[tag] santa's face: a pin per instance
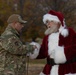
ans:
(52, 27)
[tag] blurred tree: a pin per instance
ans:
(21, 7)
(33, 31)
(67, 7)
(4, 12)
(33, 11)
(1, 25)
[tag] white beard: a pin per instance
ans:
(51, 30)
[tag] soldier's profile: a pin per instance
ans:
(12, 50)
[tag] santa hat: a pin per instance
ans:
(57, 17)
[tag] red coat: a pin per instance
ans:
(69, 52)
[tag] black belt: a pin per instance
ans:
(50, 61)
(70, 61)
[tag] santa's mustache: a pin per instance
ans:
(51, 30)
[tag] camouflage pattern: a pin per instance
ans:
(12, 53)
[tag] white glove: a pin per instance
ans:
(36, 50)
(35, 45)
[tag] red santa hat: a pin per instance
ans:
(54, 16)
(57, 17)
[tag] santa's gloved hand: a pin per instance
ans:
(36, 48)
(35, 45)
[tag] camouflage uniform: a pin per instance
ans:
(12, 53)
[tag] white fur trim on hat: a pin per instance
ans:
(50, 18)
(59, 56)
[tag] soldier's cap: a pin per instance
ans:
(15, 18)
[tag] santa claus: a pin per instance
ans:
(58, 46)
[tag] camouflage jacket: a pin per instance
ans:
(12, 53)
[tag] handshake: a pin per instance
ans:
(31, 47)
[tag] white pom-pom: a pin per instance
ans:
(64, 32)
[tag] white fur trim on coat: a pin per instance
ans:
(36, 50)
(64, 32)
(71, 74)
(52, 43)
(50, 18)
(54, 70)
(59, 56)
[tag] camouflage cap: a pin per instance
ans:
(15, 18)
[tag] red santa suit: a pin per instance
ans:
(59, 49)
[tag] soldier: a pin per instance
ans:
(12, 50)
